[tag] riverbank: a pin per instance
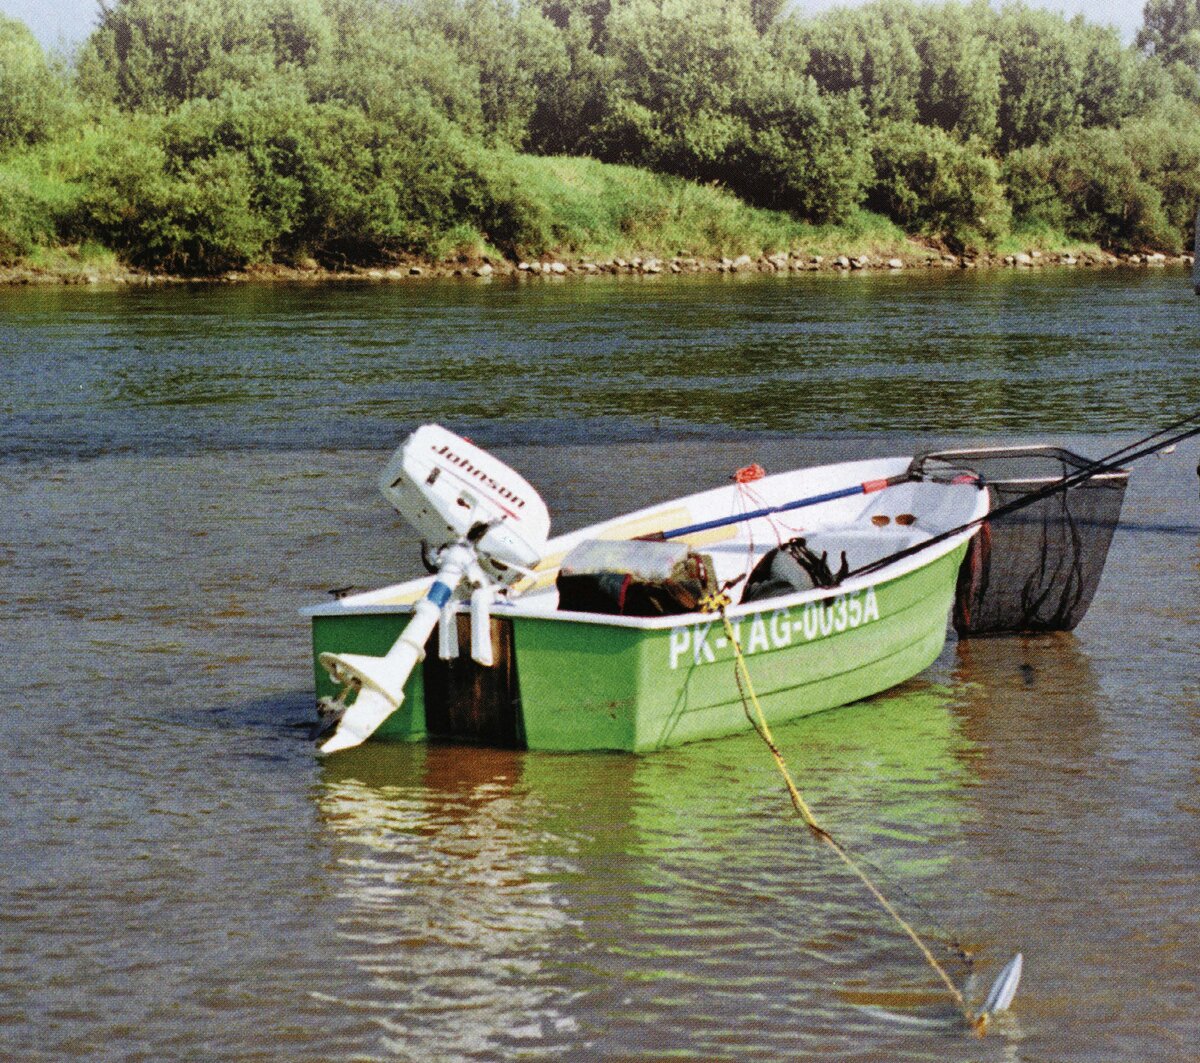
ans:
(65, 270)
(581, 217)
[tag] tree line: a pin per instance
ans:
(201, 135)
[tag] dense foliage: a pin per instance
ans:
(202, 135)
(33, 97)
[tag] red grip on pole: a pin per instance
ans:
(874, 485)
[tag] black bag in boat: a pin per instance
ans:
(634, 577)
(793, 566)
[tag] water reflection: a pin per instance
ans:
(443, 904)
(1059, 762)
(1028, 690)
(513, 904)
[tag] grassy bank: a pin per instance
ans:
(585, 214)
(599, 210)
(209, 138)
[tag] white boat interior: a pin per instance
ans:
(866, 526)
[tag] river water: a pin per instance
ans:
(181, 469)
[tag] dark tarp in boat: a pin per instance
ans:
(634, 578)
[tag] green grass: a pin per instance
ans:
(74, 260)
(36, 191)
(1038, 236)
(462, 242)
(863, 233)
(51, 172)
(589, 208)
(598, 210)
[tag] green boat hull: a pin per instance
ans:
(596, 685)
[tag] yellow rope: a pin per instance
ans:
(717, 603)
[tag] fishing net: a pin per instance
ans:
(1037, 568)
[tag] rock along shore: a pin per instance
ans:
(556, 267)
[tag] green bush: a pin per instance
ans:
(254, 175)
(1166, 148)
(699, 93)
(26, 219)
(572, 95)
(193, 219)
(960, 70)
(380, 53)
(1171, 31)
(1041, 71)
(1113, 84)
(801, 151)
(155, 54)
(1131, 188)
(868, 51)
(936, 64)
(682, 69)
(217, 133)
(513, 50)
(928, 182)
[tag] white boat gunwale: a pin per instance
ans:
(535, 606)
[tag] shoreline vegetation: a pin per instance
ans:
(221, 140)
(66, 270)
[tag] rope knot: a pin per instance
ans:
(716, 602)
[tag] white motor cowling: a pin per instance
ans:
(447, 488)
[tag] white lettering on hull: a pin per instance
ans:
(776, 629)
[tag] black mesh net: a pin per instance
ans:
(1037, 568)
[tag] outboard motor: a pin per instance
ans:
(492, 527)
(445, 486)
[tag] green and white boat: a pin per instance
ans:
(515, 660)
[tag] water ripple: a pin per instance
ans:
(183, 880)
